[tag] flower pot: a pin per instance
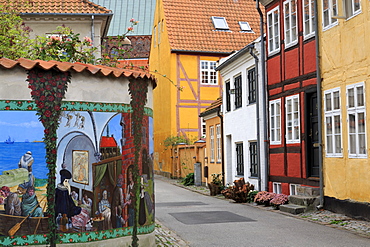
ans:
(213, 189)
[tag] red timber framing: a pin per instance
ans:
(291, 78)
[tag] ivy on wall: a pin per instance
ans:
(48, 88)
(138, 90)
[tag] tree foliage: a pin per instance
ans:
(14, 34)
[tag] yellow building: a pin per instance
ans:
(188, 38)
(344, 27)
(213, 162)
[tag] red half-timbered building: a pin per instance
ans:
(291, 83)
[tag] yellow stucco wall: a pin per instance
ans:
(168, 119)
(345, 60)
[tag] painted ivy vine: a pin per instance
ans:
(48, 88)
(138, 90)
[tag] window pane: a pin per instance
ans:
(352, 144)
(329, 145)
(329, 126)
(328, 101)
(351, 97)
(336, 100)
(338, 144)
(360, 96)
(352, 123)
(337, 124)
(361, 123)
(362, 143)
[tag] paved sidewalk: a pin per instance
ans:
(166, 237)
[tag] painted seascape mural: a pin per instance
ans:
(94, 189)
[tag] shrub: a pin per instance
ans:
(264, 197)
(188, 180)
(279, 199)
(251, 195)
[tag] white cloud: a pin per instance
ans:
(31, 124)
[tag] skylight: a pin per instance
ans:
(244, 26)
(220, 23)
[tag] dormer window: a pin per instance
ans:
(244, 27)
(220, 23)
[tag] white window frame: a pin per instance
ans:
(331, 10)
(356, 110)
(275, 122)
(296, 122)
(293, 189)
(203, 128)
(332, 112)
(218, 143)
(273, 31)
(245, 27)
(309, 17)
(208, 73)
(276, 187)
(159, 33)
(220, 23)
(349, 6)
(212, 143)
(290, 18)
(155, 36)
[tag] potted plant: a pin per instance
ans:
(215, 186)
(264, 197)
(278, 200)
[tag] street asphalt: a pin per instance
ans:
(186, 218)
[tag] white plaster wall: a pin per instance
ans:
(13, 84)
(240, 125)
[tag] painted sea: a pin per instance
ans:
(10, 155)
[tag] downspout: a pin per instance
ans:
(319, 106)
(92, 29)
(222, 145)
(257, 115)
(264, 91)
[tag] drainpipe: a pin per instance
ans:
(92, 29)
(257, 115)
(319, 106)
(222, 145)
(264, 91)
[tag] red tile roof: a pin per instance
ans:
(56, 6)
(108, 142)
(214, 107)
(190, 26)
(77, 67)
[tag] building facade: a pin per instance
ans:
(292, 96)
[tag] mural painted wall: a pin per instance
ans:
(94, 167)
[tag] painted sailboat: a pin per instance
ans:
(9, 140)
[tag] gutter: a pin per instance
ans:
(264, 90)
(257, 116)
(319, 106)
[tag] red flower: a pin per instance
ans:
(41, 105)
(48, 87)
(59, 95)
(42, 80)
(57, 107)
(70, 240)
(54, 151)
(60, 86)
(7, 108)
(51, 98)
(47, 113)
(46, 131)
(35, 93)
(40, 74)
(30, 81)
(42, 98)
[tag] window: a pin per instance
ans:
(290, 22)
(292, 119)
(203, 127)
(333, 120)
(208, 72)
(155, 36)
(293, 189)
(275, 121)
(356, 120)
(329, 8)
(228, 99)
(220, 23)
(273, 30)
(218, 143)
(252, 92)
(352, 7)
(308, 18)
(245, 27)
(212, 142)
(238, 91)
(239, 159)
(253, 159)
(276, 188)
